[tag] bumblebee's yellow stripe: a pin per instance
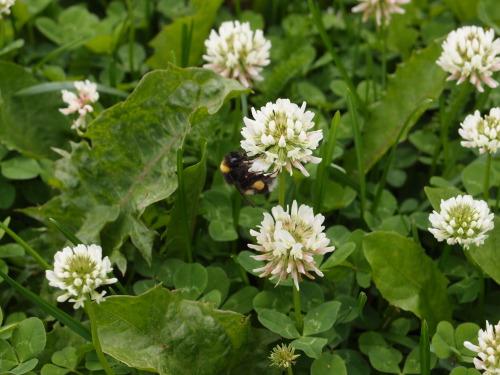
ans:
(224, 168)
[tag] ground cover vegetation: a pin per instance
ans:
(133, 132)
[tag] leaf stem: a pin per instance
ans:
(425, 350)
(95, 337)
(296, 306)
(281, 188)
(182, 203)
(486, 193)
(289, 370)
(26, 247)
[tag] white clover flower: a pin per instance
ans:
(283, 356)
(379, 8)
(79, 271)
(471, 52)
(288, 242)
(462, 220)
(483, 133)
(279, 136)
(87, 94)
(237, 52)
(5, 6)
(488, 350)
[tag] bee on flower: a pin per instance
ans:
(81, 103)
(288, 240)
(482, 132)
(79, 271)
(279, 136)
(381, 8)
(470, 52)
(237, 52)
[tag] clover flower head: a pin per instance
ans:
(5, 6)
(79, 271)
(288, 240)
(81, 103)
(470, 52)
(237, 52)
(283, 356)
(379, 8)
(279, 136)
(480, 132)
(462, 220)
(488, 350)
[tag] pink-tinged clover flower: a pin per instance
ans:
(381, 8)
(288, 240)
(482, 132)
(488, 350)
(81, 103)
(462, 220)
(471, 52)
(237, 52)
(279, 136)
(79, 271)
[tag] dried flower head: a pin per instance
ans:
(283, 356)
(462, 220)
(488, 350)
(470, 52)
(480, 132)
(5, 6)
(79, 271)
(381, 8)
(279, 136)
(87, 94)
(237, 52)
(288, 241)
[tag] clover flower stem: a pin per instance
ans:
(486, 193)
(480, 276)
(296, 306)
(26, 247)
(289, 370)
(182, 203)
(281, 188)
(95, 337)
(425, 349)
(444, 256)
(383, 37)
(237, 8)
(244, 105)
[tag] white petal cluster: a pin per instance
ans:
(79, 271)
(462, 220)
(288, 240)
(81, 103)
(279, 136)
(381, 8)
(488, 350)
(5, 6)
(470, 52)
(483, 133)
(237, 52)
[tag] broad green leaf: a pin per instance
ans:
(23, 120)
(28, 339)
(385, 360)
(466, 332)
(194, 180)
(169, 40)
(132, 161)
(338, 256)
(213, 296)
(435, 195)
(8, 358)
(222, 230)
(411, 280)
(277, 299)
(488, 254)
(312, 346)
(24, 367)
(242, 300)
(278, 323)
(406, 88)
(191, 280)
(412, 362)
(321, 318)
(443, 340)
(328, 364)
(473, 177)
(178, 336)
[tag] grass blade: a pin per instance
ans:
(425, 349)
(66, 233)
(57, 313)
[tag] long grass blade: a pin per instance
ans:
(425, 349)
(66, 85)
(57, 313)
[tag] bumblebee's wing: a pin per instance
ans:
(242, 193)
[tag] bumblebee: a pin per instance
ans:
(235, 170)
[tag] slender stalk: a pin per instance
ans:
(26, 247)
(95, 337)
(383, 38)
(281, 188)
(296, 306)
(289, 370)
(486, 193)
(182, 203)
(237, 8)
(480, 275)
(444, 257)
(131, 36)
(425, 350)
(244, 105)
